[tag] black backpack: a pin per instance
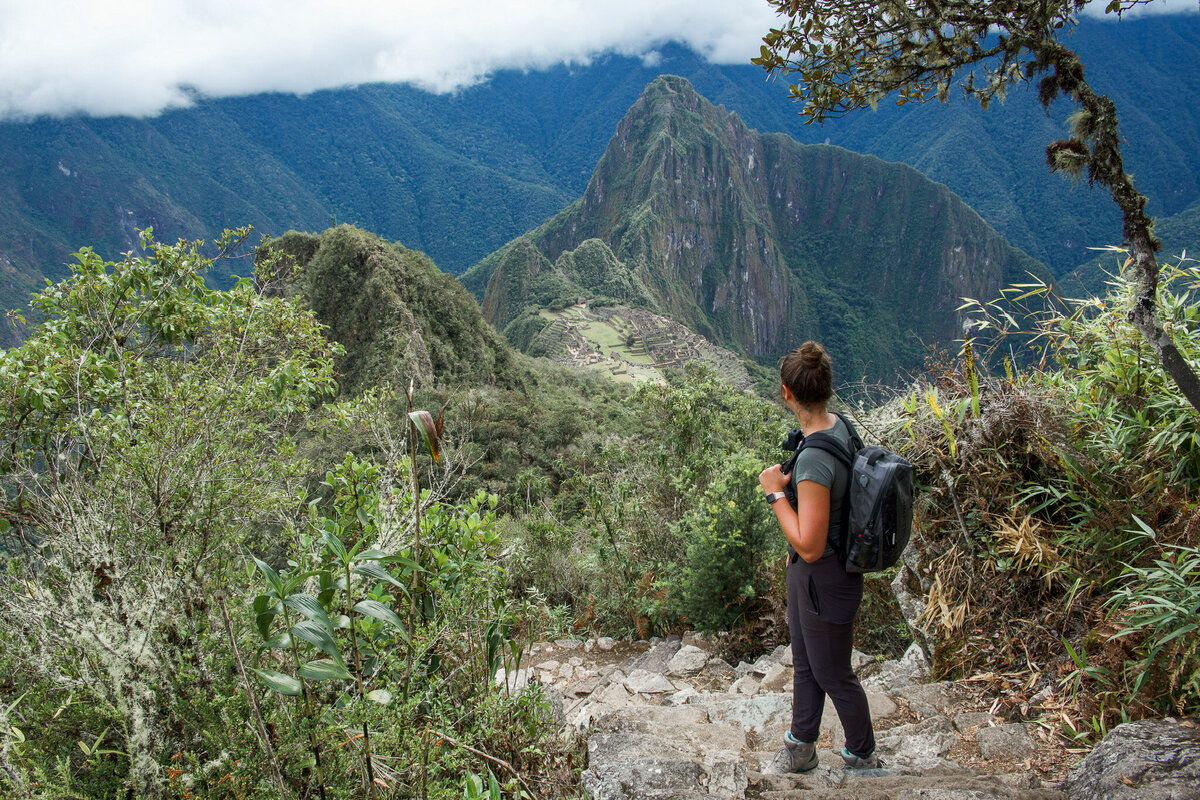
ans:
(877, 511)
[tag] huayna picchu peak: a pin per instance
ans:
(755, 241)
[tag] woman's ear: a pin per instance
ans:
(785, 393)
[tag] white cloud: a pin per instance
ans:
(1097, 8)
(139, 57)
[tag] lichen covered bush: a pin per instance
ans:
(150, 431)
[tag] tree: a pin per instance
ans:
(850, 54)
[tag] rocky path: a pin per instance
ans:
(669, 720)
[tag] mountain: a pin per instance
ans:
(459, 175)
(396, 314)
(755, 241)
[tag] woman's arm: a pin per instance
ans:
(806, 527)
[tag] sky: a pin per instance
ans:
(140, 57)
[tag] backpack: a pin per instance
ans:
(878, 509)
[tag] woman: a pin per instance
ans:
(822, 597)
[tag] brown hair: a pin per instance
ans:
(808, 372)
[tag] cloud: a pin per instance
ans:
(139, 57)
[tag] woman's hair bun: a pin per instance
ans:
(808, 372)
(812, 354)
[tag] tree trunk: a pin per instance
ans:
(1106, 167)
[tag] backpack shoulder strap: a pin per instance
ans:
(823, 441)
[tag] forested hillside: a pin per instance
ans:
(457, 176)
(756, 242)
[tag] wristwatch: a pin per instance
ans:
(773, 496)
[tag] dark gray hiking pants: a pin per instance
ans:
(822, 601)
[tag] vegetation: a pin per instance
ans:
(1066, 495)
(849, 56)
(192, 612)
(225, 573)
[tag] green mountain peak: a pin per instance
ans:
(756, 242)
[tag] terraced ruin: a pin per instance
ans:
(631, 344)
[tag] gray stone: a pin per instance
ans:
(920, 747)
(642, 681)
(785, 658)
(1010, 742)
(859, 659)
(932, 699)
(513, 680)
(717, 666)
(1146, 760)
(777, 679)
(747, 684)
(606, 643)
(763, 713)
(690, 659)
(971, 720)
(644, 779)
(655, 719)
(587, 685)
(568, 644)
(912, 668)
(655, 659)
(682, 696)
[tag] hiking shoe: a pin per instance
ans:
(796, 756)
(858, 762)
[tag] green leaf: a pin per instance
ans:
(372, 570)
(324, 669)
(265, 608)
(281, 642)
(310, 607)
(319, 637)
(271, 575)
(371, 554)
(373, 608)
(278, 682)
(335, 545)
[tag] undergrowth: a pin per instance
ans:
(1057, 523)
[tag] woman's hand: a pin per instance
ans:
(773, 479)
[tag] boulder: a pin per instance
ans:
(1146, 760)
(641, 681)
(690, 659)
(655, 659)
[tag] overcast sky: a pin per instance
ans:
(106, 57)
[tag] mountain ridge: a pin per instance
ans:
(755, 241)
(459, 175)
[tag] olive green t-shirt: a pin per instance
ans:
(824, 468)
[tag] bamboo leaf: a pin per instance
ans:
(317, 636)
(377, 610)
(371, 569)
(271, 575)
(310, 607)
(278, 682)
(324, 669)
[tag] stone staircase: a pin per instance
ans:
(670, 721)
